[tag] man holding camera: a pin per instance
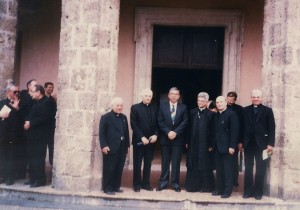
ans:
(144, 126)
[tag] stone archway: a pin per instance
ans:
(146, 18)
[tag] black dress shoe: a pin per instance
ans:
(225, 195)
(110, 192)
(147, 187)
(9, 182)
(177, 189)
(247, 195)
(160, 188)
(2, 180)
(258, 197)
(37, 184)
(215, 193)
(136, 189)
(119, 191)
(29, 182)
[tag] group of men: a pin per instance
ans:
(27, 126)
(211, 138)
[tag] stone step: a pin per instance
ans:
(166, 199)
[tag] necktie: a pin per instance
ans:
(173, 113)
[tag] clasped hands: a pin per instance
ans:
(172, 135)
(152, 139)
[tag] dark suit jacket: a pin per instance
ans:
(226, 131)
(165, 123)
(40, 119)
(11, 127)
(239, 110)
(143, 124)
(264, 132)
(110, 132)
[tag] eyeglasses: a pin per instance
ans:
(16, 92)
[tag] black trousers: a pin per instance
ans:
(10, 160)
(37, 149)
(140, 153)
(50, 145)
(236, 167)
(224, 173)
(168, 154)
(21, 159)
(113, 165)
(2, 160)
(253, 152)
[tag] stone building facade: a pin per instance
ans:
(88, 76)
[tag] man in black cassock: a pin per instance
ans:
(144, 126)
(114, 142)
(199, 177)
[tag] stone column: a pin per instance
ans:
(8, 22)
(281, 85)
(86, 84)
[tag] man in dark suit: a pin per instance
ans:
(144, 125)
(26, 103)
(49, 86)
(226, 131)
(259, 134)
(172, 121)
(114, 143)
(37, 125)
(10, 134)
(239, 110)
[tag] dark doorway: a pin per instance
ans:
(190, 58)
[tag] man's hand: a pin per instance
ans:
(145, 140)
(231, 151)
(15, 103)
(270, 149)
(27, 125)
(105, 150)
(172, 135)
(4, 115)
(153, 139)
(210, 149)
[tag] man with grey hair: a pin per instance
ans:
(114, 143)
(172, 121)
(10, 133)
(199, 176)
(226, 131)
(144, 126)
(259, 135)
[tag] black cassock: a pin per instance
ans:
(199, 177)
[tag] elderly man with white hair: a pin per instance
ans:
(144, 126)
(226, 132)
(199, 176)
(259, 135)
(114, 142)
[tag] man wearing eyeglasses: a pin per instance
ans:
(10, 134)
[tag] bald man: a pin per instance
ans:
(225, 137)
(144, 126)
(259, 134)
(114, 143)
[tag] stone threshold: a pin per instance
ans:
(166, 199)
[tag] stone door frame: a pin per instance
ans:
(147, 17)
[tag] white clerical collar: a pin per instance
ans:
(222, 110)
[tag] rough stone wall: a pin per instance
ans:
(86, 84)
(281, 76)
(8, 22)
